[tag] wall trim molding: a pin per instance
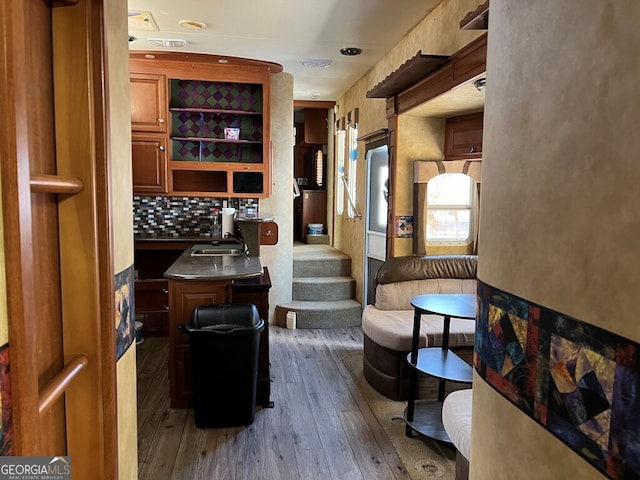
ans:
(576, 380)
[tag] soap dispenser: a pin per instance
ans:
(216, 227)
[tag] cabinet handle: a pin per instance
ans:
(472, 149)
(165, 290)
(166, 307)
(268, 233)
(180, 365)
(161, 147)
(161, 120)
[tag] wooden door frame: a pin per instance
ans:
(85, 231)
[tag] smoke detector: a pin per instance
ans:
(167, 42)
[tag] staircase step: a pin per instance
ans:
(324, 288)
(332, 314)
(320, 261)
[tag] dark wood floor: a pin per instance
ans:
(320, 428)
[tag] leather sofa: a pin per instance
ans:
(388, 323)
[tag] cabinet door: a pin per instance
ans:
(148, 103)
(184, 297)
(152, 307)
(463, 137)
(316, 130)
(149, 163)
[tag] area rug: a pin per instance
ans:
(423, 459)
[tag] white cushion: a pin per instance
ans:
(393, 329)
(398, 295)
(456, 419)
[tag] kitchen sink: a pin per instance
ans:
(219, 247)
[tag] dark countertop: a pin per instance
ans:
(263, 218)
(214, 268)
(172, 238)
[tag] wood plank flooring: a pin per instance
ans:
(321, 426)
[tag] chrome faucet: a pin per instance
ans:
(229, 235)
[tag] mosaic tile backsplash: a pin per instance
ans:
(179, 216)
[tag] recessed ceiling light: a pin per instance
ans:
(350, 51)
(167, 42)
(316, 63)
(314, 95)
(192, 24)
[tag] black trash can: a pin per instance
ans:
(224, 342)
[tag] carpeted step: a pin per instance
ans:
(323, 288)
(320, 261)
(333, 314)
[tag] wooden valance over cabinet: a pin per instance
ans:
(465, 64)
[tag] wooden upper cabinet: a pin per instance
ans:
(148, 103)
(463, 137)
(215, 121)
(315, 126)
(149, 163)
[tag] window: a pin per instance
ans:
(340, 148)
(449, 209)
(353, 161)
(319, 169)
(378, 165)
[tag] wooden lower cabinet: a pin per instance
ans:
(256, 291)
(152, 307)
(310, 207)
(184, 296)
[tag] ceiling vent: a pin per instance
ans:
(139, 20)
(167, 42)
(316, 63)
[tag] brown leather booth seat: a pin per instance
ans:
(388, 323)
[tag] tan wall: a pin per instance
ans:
(122, 220)
(120, 134)
(418, 139)
(438, 34)
(559, 215)
(279, 258)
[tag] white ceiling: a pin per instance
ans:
(288, 31)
